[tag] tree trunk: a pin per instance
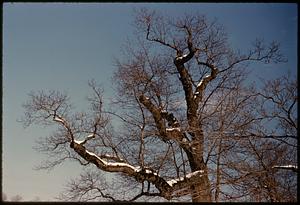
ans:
(200, 191)
(218, 173)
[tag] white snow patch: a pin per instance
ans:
(138, 169)
(115, 164)
(286, 166)
(107, 156)
(164, 112)
(148, 171)
(172, 182)
(58, 120)
(196, 94)
(194, 173)
(181, 57)
(78, 141)
(121, 164)
(90, 136)
(93, 154)
(201, 81)
(173, 129)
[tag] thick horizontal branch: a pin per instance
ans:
(100, 162)
(122, 167)
(166, 188)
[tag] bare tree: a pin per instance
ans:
(254, 168)
(189, 125)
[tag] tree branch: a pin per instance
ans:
(174, 133)
(64, 123)
(156, 113)
(287, 167)
(144, 194)
(203, 83)
(159, 40)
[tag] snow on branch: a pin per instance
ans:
(204, 81)
(188, 177)
(79, 141)
(58, 119)
(177, 129)
(125, 168)
(172, 121)
(181, 57)
(111, 157)
(61, 120)
(102, 163)
(121, 164)
(166, 188)
(176, 134)
(82, 142)
(146, 170)
(293, 168)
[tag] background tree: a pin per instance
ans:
(189, 125)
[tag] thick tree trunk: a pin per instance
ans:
(200, 191)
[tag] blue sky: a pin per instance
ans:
(62, 46)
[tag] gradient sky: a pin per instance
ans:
(62, 46)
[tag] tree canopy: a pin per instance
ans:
(190, 127)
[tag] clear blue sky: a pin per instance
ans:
(62, 46)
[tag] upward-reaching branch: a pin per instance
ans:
(166, 133)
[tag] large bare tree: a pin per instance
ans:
(189, 125)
